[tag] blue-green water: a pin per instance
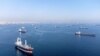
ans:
(51, 40)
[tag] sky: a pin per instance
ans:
(50, 11)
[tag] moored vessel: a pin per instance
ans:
(22, 30)
(84, 34)
(23, 47)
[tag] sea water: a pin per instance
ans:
(51, 40)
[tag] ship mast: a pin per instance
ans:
(20, 34)
(25, 43)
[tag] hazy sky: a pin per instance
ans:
(58, 11)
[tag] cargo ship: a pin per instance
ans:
(23, 47)
(84, 34)
(83, 27)
(22, 30)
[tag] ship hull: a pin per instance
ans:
(83, 34)
(23, 49)
(22, 31)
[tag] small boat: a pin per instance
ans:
(84, 34)
(23, 47)
(22, 30)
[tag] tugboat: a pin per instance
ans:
(22, 30)
(23, 47)
(84, 34)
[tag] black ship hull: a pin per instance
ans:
(85, 34)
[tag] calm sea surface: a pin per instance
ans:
(51, 40)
